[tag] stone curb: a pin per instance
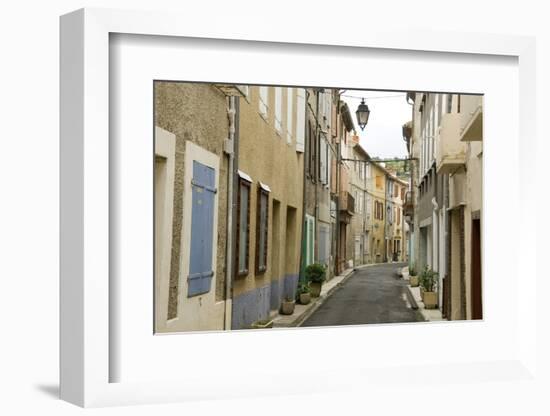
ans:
(411, 298)
(300, 319)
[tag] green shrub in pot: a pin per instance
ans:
(315, 275)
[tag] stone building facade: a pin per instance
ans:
(270, 201)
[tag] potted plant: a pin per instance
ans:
(304, 293)
(287, 307)
(413, 277)
(315, 275)
(428, 283)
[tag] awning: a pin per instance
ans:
(244, 176)
(265, 187)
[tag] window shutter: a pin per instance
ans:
(329, 166)
(328, 105)
(289, 115)
(278, 109)
(263, 105)
(323, 167)
(202, 231)
(321, 98)
(300, 119)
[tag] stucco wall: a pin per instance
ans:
(378, 226)
(197, 113)
(266, 156)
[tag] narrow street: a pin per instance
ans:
(372, 295)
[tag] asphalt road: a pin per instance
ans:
(373, 295)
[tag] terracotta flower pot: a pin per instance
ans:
(287, 307)
(430, 300)
(315, 289)
(305, 298)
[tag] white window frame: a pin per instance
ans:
(278, 119)
(300, 119)
(263, 101)
(289, 114)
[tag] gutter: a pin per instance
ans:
(231, 147)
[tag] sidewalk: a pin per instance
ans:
(302, 312)
(416, 301)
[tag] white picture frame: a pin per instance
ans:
(86, 224)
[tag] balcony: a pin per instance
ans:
(408, 205)
(347, 203)
(450, 154)
(471, 123)
(232, 90)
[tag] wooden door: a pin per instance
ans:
(477, 310)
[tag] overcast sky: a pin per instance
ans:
(383, 136)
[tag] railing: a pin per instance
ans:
(347, 202)
(408, 206)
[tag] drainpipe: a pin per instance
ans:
(301, 275)
(435, 235)
(338, 166)
(231, 146)
(317, 172)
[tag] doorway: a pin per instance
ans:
(275, 256)
(477, 309)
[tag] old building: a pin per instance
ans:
(361, 221)
(459, 157)
(444, 205)
(344, 203)
(319, 154)
(378, 201)
(191, 205)
(271, 138)
(394, 226)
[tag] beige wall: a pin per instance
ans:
(266, 156)
(465, 188)
(378, 226)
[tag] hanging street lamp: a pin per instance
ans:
(362, 114)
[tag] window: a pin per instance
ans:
(324, 244)
(243, 226)
(300, 119)
(329, 165)
(323, 162)
(264, 100)
(378, 210)
(449, 103)
(289, 114)
(278, 109)
(245, 89)
(311, 147)
(262, 228)
(458, 104)
(379, 182)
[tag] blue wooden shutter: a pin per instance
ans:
(202, 223)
